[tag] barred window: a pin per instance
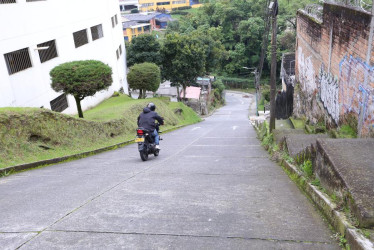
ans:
(112, 18)
(47, 53)
(80, 38)
(97, 32)
(147, 4)
(7, 1)
(179, 2)
(60, 103)
(18, 60)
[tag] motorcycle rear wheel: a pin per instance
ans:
(156, 152)
(143, 155)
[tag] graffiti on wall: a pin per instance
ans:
(329, 93)
(357, 94)
(306, 72)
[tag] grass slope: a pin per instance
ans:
(33, 134)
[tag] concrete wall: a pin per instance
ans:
(334, 68)
(26, 24)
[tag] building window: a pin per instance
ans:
(147, 4)
(7, 1)
(114, 21)
(139, 29)
(47, 51)
(179, 2)
(117, 53)
(163, 3)
(60, 103)
(34, 0)
(80, 38)
(18, 60)
(120, 49)
(126, 38)
(97, 32)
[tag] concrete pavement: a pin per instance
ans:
(212, 187)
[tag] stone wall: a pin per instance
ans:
(334, 77)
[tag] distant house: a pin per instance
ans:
(155, 19)
(132, 29)
(162, 20)
(205, 83)
(144, 18)
(167, 90)
(128, 5)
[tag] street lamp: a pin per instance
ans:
(255, 72)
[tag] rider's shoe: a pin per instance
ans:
(158, 147)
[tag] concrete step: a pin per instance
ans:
(345, 168)
(300, 146)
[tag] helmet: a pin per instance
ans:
(152, 106)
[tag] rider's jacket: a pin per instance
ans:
(147, 119)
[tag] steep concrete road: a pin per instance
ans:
(212, 187)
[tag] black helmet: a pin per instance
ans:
(152, 106)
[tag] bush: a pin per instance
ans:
(266, 94)
(218, 84)
(115, 94)
(178, 12)
(182, 8)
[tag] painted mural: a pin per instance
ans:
(356, 80)
(329, 93)
(306, 72)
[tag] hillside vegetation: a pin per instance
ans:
(33, 134)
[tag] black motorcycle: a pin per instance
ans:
(146, 143)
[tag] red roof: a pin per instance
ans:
(192, 93)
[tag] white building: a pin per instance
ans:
(37, 35)
(127, 5)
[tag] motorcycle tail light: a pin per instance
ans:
(140, 132)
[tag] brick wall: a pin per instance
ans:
(333, 78)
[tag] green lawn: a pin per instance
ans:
(34, 134)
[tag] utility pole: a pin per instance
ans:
(273, 7)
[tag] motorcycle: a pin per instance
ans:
(146, 143)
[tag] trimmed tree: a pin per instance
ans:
(81, 79)
(145, 77)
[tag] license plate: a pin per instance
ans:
(139, 139)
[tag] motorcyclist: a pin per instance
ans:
(147, 120)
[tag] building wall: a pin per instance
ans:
(26, 24)
(172, 4)
(335, 78)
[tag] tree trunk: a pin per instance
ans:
(144, 94)
(178, 94)
(140, 94)
(184, 92)
(78, 101)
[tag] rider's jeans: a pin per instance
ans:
(157, 137)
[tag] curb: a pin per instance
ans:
(10, 170)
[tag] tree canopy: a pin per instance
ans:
(81, 79)
(143, 48)
(145, 77)
(183, 59)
